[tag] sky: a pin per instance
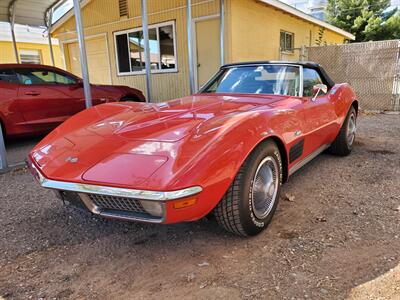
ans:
(60, 11)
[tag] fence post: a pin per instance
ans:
(396, 82)
(302, 53)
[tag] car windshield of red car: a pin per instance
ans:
(264, 79)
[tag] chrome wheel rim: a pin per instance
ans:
(265, 187)
(351, 129)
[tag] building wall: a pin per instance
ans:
(8, 56)
(102, 17)
(256, 32)
(252, 32)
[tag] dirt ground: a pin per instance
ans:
(338, 239)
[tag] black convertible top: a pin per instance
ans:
(308, 64)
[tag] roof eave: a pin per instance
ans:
(294, 11)
(67, 16)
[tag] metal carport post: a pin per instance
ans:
(222, 30)
(145, 26)
(49, 20)
(11, 17)
(82, 53)
(190, 44)
(3, 154)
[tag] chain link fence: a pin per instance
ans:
(371, 68)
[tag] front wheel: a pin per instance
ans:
(250, 202)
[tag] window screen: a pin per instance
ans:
(130, 49)
(121, 41)
(30, 56)
(287, 41)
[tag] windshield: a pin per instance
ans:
(263, 79)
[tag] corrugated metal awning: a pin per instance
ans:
(27, 12)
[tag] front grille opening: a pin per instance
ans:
(117, 203)
(109, 206)
(73, 199)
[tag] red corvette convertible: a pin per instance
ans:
(225, 150)
(36, 98)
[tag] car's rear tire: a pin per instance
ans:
(343, 144)
(3, 129)
(250, 202)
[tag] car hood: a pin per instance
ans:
(124, 144)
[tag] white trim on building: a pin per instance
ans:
(293, 11)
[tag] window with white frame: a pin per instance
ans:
(30, 56)
(129, 46)
(287, 41)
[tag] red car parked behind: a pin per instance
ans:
(37, 98)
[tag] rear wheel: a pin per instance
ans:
(343, 144)
(250, 202)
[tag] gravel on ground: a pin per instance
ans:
(336, 235)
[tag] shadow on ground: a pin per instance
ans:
(18, 148)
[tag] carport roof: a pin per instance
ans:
(27, 12)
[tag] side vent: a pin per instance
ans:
(123, 8)
(296, 151)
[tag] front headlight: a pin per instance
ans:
(153, 208)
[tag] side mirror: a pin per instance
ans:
(317, 89)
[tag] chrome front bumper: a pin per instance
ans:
(127, 209)
(117, 203)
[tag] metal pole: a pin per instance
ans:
(145, 26)
(49, 20)
(82, 53)
(3, 153)
(190, 44)
(11, 16)
(222, 30)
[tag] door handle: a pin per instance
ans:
(33, 93)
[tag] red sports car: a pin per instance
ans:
(225, 150)
(36, 98)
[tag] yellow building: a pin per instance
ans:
(32, 45)
(253, 30)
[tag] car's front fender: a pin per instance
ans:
(217, 162)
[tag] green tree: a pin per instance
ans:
(367, 20)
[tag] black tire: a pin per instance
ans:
(343, 145)
(3, 129)
(236, 211)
